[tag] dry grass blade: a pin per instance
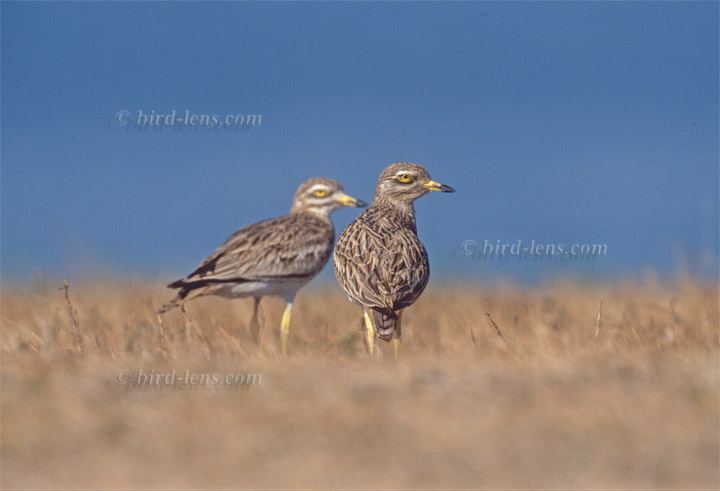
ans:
(497, 329)
(597, 323)
(198, 332)
(163, 346)
(73, 316)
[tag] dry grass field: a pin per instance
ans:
(555, 403)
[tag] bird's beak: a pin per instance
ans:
(436, 186)
(347, 200)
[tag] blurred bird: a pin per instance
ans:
(274, 257)
(379, 260)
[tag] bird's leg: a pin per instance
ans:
(254, 324)
(285, 327)
(397, 337)
(369, 334)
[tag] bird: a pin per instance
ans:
(274, 257)
(379, 260)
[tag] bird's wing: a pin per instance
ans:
(291, 246)
(382, 267)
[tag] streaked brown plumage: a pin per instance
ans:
(273, 257)
(379, 259)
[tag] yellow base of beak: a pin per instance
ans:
(436, 186)
(348, 200)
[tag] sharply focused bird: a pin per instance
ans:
(379, 260)
(275, 257)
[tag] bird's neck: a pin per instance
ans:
(321, 213)
(404, 211)
(402, 206)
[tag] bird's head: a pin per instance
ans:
(322, 196)
(404, 182)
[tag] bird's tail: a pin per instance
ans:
(170, 304)
(179, 298)
(190, 289)
(385, 324)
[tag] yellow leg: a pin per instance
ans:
(369, 333)
(398, 336)
(285, 328)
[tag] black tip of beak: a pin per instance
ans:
(360, 203)
(446, 189)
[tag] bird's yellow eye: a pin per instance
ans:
(320, 193)
(405, 178)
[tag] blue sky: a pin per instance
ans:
(559, 122)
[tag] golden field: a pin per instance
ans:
(559, 401)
